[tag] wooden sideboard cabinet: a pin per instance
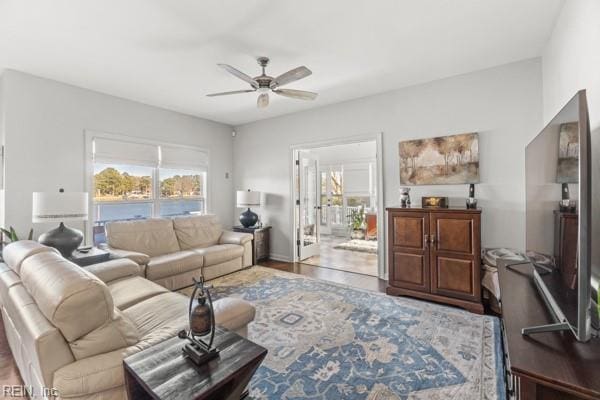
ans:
(435, 254)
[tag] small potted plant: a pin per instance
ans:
(356, 221)
(9, 236)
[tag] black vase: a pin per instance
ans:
(64, 239)
(248, 218)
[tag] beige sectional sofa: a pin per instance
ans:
(69, 327)
(172, 251)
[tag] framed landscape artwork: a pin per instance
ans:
(568, 153)
(444, 160)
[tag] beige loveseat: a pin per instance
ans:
(69, 328)
(172, 251)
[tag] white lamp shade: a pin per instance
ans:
(56, 206)
(246, 198)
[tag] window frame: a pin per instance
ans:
(90, 135)
(158, 200)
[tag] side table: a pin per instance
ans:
(93, 256)
(261, 244)
(223, 378)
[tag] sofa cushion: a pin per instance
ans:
(138, 258)
(8, 279)
(197, 231)
(210, 272)
(173, 264)
(15, 253)
(72, 299)
(229, 237)
(153, 236)
(93, 377)
(119, 333)
(156, 319)
(129, 291)
(158, 315)
(114, 269)
(220, 253)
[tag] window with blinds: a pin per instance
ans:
(141, 180)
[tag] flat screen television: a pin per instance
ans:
(560, 158)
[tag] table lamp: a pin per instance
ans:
(59, 207)
(248, 199)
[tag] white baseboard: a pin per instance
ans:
(279, 257)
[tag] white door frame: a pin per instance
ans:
(313, 249)
(381, 231)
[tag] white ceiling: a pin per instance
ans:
(164, 52)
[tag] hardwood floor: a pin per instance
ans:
(360, 281)
(345, 260)
(9, 374)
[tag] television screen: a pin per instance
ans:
(559, 214)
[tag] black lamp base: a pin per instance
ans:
(64, 239)
(248, 218)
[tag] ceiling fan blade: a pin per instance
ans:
(228, 93)
(296, 94)
(239, 74)
(291, 76)
(263, 100)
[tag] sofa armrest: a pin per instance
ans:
(91, 376)
(140, 258)
(114, 269)
(229, 237)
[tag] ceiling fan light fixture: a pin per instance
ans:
(263, 100)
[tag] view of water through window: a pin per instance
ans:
(127, 192)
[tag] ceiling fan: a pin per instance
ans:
(264, 84)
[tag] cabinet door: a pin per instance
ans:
(262, 244)
(455, 255)
(409, 250)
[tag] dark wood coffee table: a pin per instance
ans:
(163, 372)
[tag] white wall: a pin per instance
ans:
(503, 104)
(571, 59)
(44, 127)
(346, 153)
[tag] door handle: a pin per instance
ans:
(433, 239)
(426, 240)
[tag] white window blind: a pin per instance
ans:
(356, 180)
(183, 157)
(111, 151)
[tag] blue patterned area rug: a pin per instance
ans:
(330, 341)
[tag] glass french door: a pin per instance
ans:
(309, 205)
(332, 199)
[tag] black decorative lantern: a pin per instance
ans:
(202, 325)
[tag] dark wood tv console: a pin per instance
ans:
(546, 366)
